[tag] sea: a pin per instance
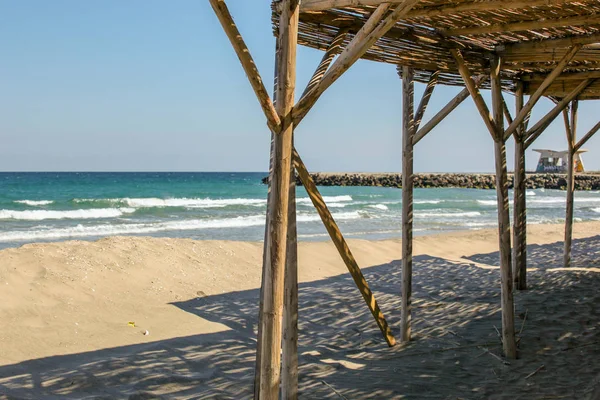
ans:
(49, 206)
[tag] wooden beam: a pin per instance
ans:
(278, 207)
(506, 111)
(408, 132)
(589, 19)
(534, 132)
(444, 112)
(247, 62)
(433, 79)
(432, 11)
(474, 91)
(520, 202)
(373, 29)
(289, 354)
(587, 137)
(332, 50)
(571, 138)
(533, 99)
(534, 45)
(508, 316)
(342, 247)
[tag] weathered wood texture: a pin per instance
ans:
(571, 129)
(343, 249)
(532, 36)
(508, 316)
(289, 354)
(275, 262)
(408, 132)
(520, 202)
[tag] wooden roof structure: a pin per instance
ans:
(531, 37)
(540, 48)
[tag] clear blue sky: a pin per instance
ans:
(155, 85)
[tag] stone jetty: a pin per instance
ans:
(472, 181)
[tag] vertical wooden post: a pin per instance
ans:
(508, 314)
(289, 370)
(275, 262)
(520, 203)
(571, 138)
(408, 133)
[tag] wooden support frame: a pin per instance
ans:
(520, 202)
(571, 130)
(275, 262)
(408, 132)
(508, 315)
(491, 5)
(474, 91)
(533, 99)
(373, 29)
(433, 79)
(342, 247)
(445, 111)
(587, 137)
(523, 26)
(534, 132)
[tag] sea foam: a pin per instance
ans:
(34, 203)
(38, 215)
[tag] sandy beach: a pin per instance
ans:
(75, 317)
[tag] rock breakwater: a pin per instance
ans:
(455, 180)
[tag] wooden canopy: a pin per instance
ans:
(531, 37)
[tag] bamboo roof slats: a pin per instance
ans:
(531, 37)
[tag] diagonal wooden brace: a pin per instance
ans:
(222, 12)
(342, 247)
(373, 29)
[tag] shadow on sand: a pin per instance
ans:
(342, 354)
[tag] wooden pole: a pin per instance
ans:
(433, 79)
(342, 247)
(520, 206)
(235, 37)
(275, 264)
(408, 132)
(587, 137)
(533, 99)
(534, 132)
(372, 31)
(474, 91)
(444, 112)
(508, 323)
(289, 369)
(571, 137)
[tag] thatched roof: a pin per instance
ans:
(530, 36)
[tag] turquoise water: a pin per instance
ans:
(37, 207)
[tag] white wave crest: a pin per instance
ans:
(427, 201)
(530, 193)
(449, 214)
(128, 229)
(596, 210)
(35, 203)
(38, 215)
(327, 199)
(150, 202)
(488, 202)
(379, 206)
(336, 216)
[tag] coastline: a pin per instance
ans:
(68, 305)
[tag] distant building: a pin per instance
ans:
(556, 161)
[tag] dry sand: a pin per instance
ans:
(65, 310)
